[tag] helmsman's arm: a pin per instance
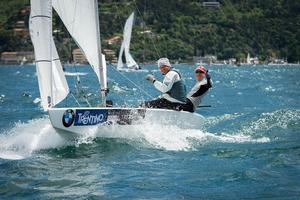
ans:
(167, 84)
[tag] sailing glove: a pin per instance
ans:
(150, 78)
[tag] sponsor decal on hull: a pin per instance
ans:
(90, 117)
(68, 118)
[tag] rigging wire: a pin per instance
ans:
(132, 82)
(77, 82)
(144, 24)
(124, 76)
(75, 99)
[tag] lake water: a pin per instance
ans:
(249, 147)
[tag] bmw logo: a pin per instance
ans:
(68, 118)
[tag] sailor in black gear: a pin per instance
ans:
(200, 89)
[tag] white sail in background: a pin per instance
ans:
(125, 47)
(53, 88)
(120, 61)
(81, 19)
(248, 59)
(130, 61)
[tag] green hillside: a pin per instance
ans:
(184, 28)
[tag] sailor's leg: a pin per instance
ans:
(188, 106)
(162, 103)
(159, 103)
(156, 103)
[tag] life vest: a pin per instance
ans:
(178, 90)
(204, 88)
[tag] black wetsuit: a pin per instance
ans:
(195, 96)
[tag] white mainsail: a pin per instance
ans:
(81, 19)
(125, 47)
(52, 82)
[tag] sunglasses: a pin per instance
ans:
(199, 72)
(163, 66)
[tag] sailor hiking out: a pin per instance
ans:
(200, 89)
(172, 87)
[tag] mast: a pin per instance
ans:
(103, 88)
(51, 56)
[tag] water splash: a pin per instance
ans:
(25, 138)
(169, 137)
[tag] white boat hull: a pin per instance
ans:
(83, 120)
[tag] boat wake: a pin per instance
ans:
(174, 138)
(25, 139)
(75, 73)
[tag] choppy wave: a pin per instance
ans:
(279, 119)
(2, 97)
(121, 89)
(24, 139)
(133, 70)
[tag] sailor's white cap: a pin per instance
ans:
(163, 61)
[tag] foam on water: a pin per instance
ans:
(268, 121)
(36, 100)
(135, 71)
(24, 138)
(170, 137)
(178, 139)
(75, 73)
(2, 97)
(211, 121)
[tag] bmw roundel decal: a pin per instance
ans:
(68, 118)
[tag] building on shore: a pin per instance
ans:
(231, 61)
(21, 26)
(278, 61)
(211, 4)
(254, 61)
(116, 40)
(79, 57)
(16, 58)
(207, 59)
(110, 55)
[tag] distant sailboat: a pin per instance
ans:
(81, 20)
(125, 47)
(24, 60)
(248, 59)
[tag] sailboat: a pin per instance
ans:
(248, 61)
(82, 22)
(125, 47)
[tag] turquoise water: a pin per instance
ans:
(249, 147)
